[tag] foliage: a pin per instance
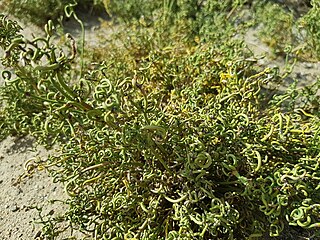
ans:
(135, 9)
(33, 10)
(200, 19)
(310, 21)
(283, 28)
(172, 135)
(277, 26)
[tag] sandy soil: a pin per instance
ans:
(22, 192)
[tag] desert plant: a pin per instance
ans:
(311, 25)
(39, 12)
(174, 140)
(276, 26)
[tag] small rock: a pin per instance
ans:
(308, 65)
(16, 191)
(14, 208)
(39, 187)
(301, 75)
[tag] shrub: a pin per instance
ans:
(39, 12)
(311, 24)
(164, 139)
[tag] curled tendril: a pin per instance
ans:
(6, 75)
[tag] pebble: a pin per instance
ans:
(14, 208)
(16, 191)
(37, 187)
(308, 65)
(301, 75)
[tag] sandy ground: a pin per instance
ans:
(20, 193)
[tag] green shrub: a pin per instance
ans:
(293, 27)
(276, 28)
(133, 9)
(165, 138)
(311, 24)
(39, 12)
